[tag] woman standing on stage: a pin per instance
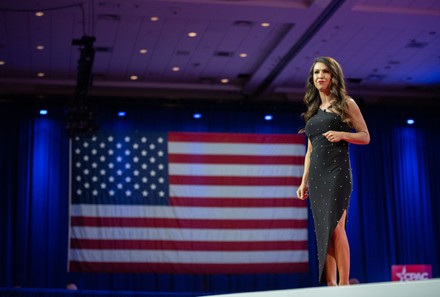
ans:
(333, 120)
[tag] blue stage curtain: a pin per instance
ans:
(394, 212)
(393, 217)
(34, 200)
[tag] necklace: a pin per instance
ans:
(326, 106)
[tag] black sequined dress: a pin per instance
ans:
(330, 181)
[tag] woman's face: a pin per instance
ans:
(322, 77)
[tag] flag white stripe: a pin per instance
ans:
(247, 149)
(171, 212)
(190, 257)
(235, 170)
(182, 234)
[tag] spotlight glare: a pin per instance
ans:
(268, 117)
(410, 121)
(43, 111)
(121, 114)
(197, 115)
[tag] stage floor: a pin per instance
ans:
(422, 288)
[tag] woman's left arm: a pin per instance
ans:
(360, 134)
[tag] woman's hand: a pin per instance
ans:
(333, 136)
(303, 192)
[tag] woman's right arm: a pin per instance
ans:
(303, 189)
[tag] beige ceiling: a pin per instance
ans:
(389, 49)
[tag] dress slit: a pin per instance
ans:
(323, 276)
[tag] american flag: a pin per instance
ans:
(181, 202)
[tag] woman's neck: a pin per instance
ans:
(326, 100)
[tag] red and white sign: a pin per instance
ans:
(406, 273)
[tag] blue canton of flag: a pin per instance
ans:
(120, 169)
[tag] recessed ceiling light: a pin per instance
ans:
(143, 51)
(41, 74)
(154, 18)
(192, 34)
(265, 24)
(134, 77)
(175, 69)
(243, 55)
(39, 13)
(40, 47)
(224, 80)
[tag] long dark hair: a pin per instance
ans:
(338, 91)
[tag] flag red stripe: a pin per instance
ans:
(185, 223)
(238, 202)
(187, 245)
(233, 180)
(100, 267)
(234, 159)
(236, 138)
